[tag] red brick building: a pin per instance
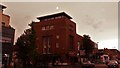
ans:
(6, 37)
(56, 34)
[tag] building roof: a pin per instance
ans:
(54, 15)
(3, 7)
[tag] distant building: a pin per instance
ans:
(56, 34)
(111, 53)
(6, 34)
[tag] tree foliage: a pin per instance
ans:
(87, 45)
(26, 45)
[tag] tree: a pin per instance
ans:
(26, 46)
(88, 47)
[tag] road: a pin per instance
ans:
(79, 66)
(100, 66)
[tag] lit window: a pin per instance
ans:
(59, 17)
(43, 28)
(57, 37)
(78, 43)
(56, 17)
(44, 46)
(47, 27)
(51, 27)
(57, 45)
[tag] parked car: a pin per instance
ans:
(88, 64)
(112, 64)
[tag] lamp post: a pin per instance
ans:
(6, 60)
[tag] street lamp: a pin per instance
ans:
(6, 60)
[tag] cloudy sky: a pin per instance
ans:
(97, 19)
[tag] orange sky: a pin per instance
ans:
(97, 19)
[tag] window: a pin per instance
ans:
(43, 28)
(45, 19)
(52, 18)
(44, 50)
(46, 44)
(70, 27)
(57, 45)
(48, 51)
(47, 27)
(51, 27)
(59, 17)
(62, 16)
(57, 37)
(48, 18)
(56, 17)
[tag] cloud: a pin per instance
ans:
(97, 24)
(28, 17)
(93, 22)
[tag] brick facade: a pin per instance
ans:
(56, 34)
(6, 36)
